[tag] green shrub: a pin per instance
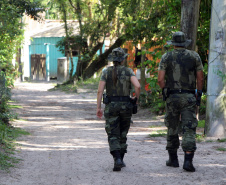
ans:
(202, 108)
(5, 95)
(158, 133)
(201, 124)
(222, 140)
(221, 149)
(8, 134)
(200, 137)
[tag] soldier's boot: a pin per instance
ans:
(122, 156)
(117, 160)
(188, 166)
(173, 159)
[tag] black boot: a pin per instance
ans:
(117, 160)
(122, 156)
(173, 159)
(188, 166)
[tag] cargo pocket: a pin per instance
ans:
(191, 123)
(128, 108)
(106, 111)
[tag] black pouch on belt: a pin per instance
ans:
(134, 102)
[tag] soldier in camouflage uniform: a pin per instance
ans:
(180, 74)
(118, 109)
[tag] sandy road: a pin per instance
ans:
(68, 146)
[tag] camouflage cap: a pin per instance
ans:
(118, 54)
(179, 40)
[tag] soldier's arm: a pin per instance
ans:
(99, 97)
(136, 85)
(199, 72)
(200, 80)
(161, 78)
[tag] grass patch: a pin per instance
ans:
(158, 133)
(155, 126)
(68, 88)
(8, 134)
(15, 106)
(209, 141)
(91, 83)
(222, 140)
(7, 161)
(201, 124)
(221, 149)
(200, 137)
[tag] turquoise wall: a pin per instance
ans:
(37, 47)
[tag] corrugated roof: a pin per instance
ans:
(56, 30)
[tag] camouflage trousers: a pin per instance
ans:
(180, 113)
(118, 117)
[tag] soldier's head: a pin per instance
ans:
(117, 55)
(179, 40)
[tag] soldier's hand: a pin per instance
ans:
(198, 101)
(198, 98)
(99, 113)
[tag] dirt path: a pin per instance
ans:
(68, 146)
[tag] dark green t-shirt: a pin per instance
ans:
(181, 66)
(123, 85)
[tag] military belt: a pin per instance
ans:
(181, 91)
(119, 98)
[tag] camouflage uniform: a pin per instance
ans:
(118, 114)
(180, 66)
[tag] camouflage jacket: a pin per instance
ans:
(123, 85)
(180, 66)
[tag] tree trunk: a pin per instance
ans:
(189, 20)
(101, 61)
(82, 64)
(142, 71)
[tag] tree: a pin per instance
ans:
(134, 20)
(11, 37)
(11, 12)
(189, 20)
(114, 19)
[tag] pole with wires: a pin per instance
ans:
(216, 81)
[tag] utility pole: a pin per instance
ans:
(216, 82)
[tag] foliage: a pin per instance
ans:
(8, 135)
(11, 37)
(200, 137)
(222, 140)
(158, 133)
(169, 21)
(202, 108)
(203, 36)
(91, 83)
(5, 96)
(165, 23)
(68, 88)
(131, 20)
(201, 124)
(221, 149)
(11, 12)
(7, 132)
(150, 23)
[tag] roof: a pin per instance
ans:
(56, 29)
